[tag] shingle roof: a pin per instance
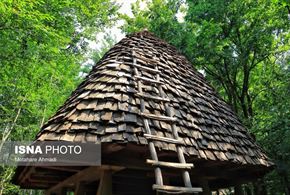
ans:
(106, 108)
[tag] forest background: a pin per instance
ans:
(241, 47)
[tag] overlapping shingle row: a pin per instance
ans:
(105, 107)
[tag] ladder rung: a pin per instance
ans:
(176, 189)
(156, 117)
(148, 80)
(170, 164)
(164, 139)
(147, 68)
(153, 97)
(138, 56)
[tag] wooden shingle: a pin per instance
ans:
(106, 108)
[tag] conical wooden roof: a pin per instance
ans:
(105, 106)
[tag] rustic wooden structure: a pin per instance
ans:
(155, 116)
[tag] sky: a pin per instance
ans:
(115, 31)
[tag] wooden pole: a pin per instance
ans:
(105, 185)
(158, 173)
(80, 188)
(87, 174)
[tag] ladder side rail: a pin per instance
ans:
(157, 170)
(185, 173)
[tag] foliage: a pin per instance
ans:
(106, 44)
(243, 46)
(42, 44)
(271, 122)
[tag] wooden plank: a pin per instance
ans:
(163, 139)
(153, 97)
(105, 185)
(160, 118)
(170, 164)
(176, 189)
(147, 68)
(148, 80)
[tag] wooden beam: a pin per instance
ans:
(48, 181)
(170, 164)
(88, 174)
(158, 117)
(80, 188)
(22, 174)
(148, 80)
(176, 189)
(75, 178)
(146, 68)
(27, 174)
(163, 139)
(150, 97)
(105, 186)
(63, 168)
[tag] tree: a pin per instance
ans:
(243, 46)
(42, 44)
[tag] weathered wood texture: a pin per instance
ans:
(105, 107)
(89, 174)
(105, 186)
(176, 190)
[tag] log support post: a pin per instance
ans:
(105, 185)
(87, 175)
(80, 188)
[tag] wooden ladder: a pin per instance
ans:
(182, 165)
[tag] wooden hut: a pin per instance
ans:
(155, 117)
